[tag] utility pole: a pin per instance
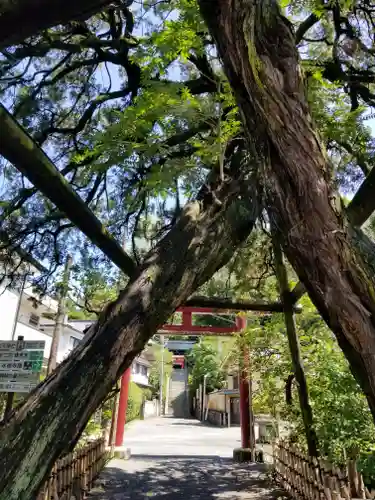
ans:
(204, 412)
(166, 406)
(60, 316)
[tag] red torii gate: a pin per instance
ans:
(187, 328)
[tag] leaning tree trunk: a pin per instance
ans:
(257, 47)
(55, 413)
(20, 19)
(295, 350)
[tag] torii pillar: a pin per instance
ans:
(245, 453)
(122, 407)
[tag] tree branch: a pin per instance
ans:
(304, 27)
(360, 158)
(32, 16)
(363, 203)
(18, 148)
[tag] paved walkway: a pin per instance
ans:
(175, 459)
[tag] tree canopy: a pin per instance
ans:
(134, 109)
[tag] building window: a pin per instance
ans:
(144, 370)
(34, 319)
(74, 342)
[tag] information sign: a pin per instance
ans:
(19, 377)
(21, 356)
(21, 362)
(20, 345)
(21, 366)
(17, 386)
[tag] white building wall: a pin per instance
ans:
(8, 308)
(139, 378)
(46, 302)
(30, 333)
(66, 341)
(80, 324)
(140, 371)
(65, 345)
(44, 331)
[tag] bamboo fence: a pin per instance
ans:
(73, 475)
(307, 478)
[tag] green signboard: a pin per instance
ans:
(21, 362)
(22, 356)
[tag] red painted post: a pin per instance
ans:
(244, 401)
(122, 407)
(187, 320)
(244, 391)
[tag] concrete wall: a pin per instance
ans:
(216, 401)
(151, 408)
(178, 397)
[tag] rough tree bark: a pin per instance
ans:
(54, 415)
(257, 46)
(295, 351)
(20, 19)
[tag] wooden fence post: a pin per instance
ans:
(306, 478)
(75, 473)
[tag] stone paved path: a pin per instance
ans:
(181, 459)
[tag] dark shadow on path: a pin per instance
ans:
(177, 477)
(188, 422)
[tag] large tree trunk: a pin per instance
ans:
(257, 47)
(20, 19)
(54, 415)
